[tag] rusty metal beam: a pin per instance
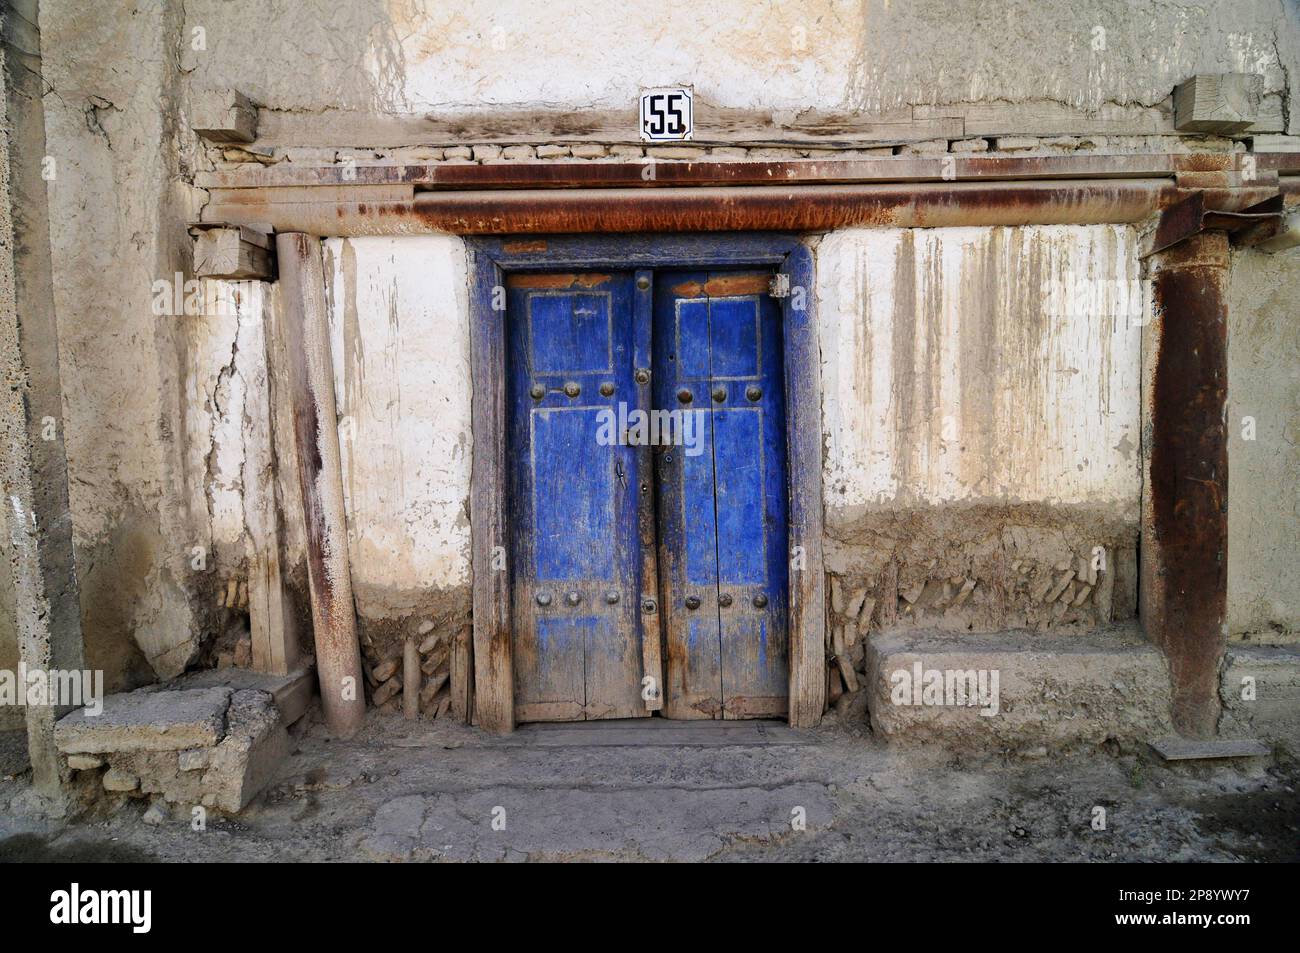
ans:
(1183, 587)
(793, 208)
(316, 442)
(1194, 214)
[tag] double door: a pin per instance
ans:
(648, 495)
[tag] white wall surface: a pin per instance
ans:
(399, 322)
(980, 364)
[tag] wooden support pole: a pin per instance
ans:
(316, 439)
(803, 435)
(270, 613)
(411, 680)
(493, 659)
(1185, 503)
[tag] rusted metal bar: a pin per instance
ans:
(1193, 214)
(316, 439)
(801, 208)
(1184, 509)
(647, 173)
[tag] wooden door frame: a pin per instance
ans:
(490, 260)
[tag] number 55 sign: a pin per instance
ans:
(667, 115)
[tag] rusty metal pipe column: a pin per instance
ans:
(316, 440)
(1185, 503)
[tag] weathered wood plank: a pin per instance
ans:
(804, 436)
(721, 209)
(275, 642)
(493, 648)
(462, 676)
(650, 612)
(311, 372)
(713, 126)
(710, 171)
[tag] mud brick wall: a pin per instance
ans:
(981, 421)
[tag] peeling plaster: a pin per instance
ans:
(400, 340)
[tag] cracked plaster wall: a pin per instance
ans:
(873, 56)
(118, 205)
(148, 479)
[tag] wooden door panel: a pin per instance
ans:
(723, 512)
(751, 494)
(687, 537)
(575, 543)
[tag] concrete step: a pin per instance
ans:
(213, 746)
(292, 692)
(1017, 690)
(147, 721)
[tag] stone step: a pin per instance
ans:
(1031, 689)
(147, 721)
(292, 692)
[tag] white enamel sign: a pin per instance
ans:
(667, 114)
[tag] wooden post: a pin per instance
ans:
(270, 617)
(462, 675)
(316, 439)
(411, 680)
(493, 668)
(803, 436)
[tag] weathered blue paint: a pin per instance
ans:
(722, 508)
(574, 495)
(749, 446)
(495, 593)
(570, 333)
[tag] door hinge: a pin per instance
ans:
(779, 286)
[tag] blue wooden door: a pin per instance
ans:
(576, 490)
(723, 496)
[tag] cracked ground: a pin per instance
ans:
(673, 791)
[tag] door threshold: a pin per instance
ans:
(661, 732)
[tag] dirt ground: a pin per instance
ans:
(689, 792)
